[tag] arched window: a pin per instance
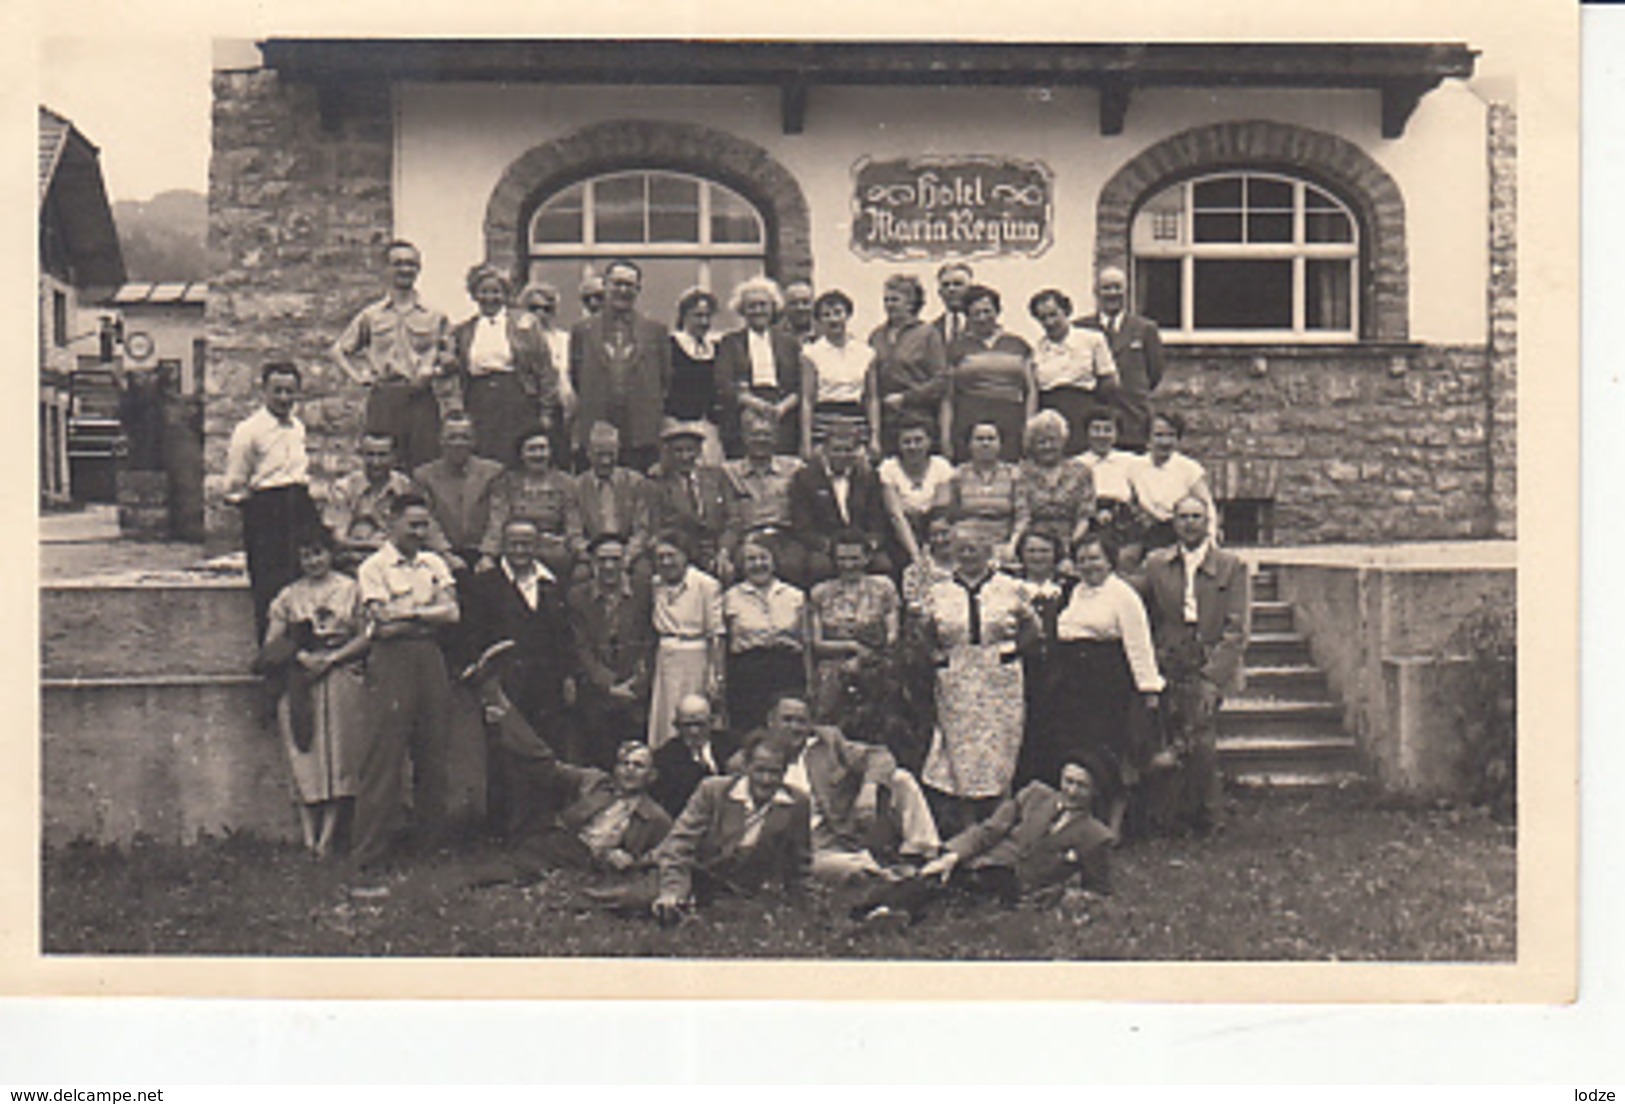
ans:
(683, 230)
(1247, 256)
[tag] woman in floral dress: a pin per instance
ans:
(853, 615)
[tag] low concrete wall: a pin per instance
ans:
(151, 724)
(1381, 631)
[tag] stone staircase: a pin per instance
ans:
(1285, 732)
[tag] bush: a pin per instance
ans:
(1488, 716)
(888, 699)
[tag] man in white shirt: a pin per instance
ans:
(267, 477)
(1136, 346)
(953, 279)
(408, 594)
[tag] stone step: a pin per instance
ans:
(1288, 782)
(136, 626)
(1256, 714)
(1277, 649)
(1297, 752)
(1272, 617)
(1265, 586)
(1300, 682)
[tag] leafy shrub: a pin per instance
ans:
(1487, 717)
(887, 699)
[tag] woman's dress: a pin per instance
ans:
(990, 502)
(494, 392)
(766, 648)
(861, 610)
(692, 394)
(841, 372)
(987, 382)
(1058, 499)
(329, 766)
(687, 618)
(1050, 695)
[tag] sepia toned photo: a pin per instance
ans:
(797, 500)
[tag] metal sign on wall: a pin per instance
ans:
(929, 207)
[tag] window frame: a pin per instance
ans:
(590, 248)
(1299, 252)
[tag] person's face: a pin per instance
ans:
(1077, 788)
(914, 445)
(412, 529)
(1163, 438)
(1111, 292)
(693, 726)
(765, 774)
(1190, 523)
(1038, 558)
(536, 453)
(315, 561)
(982, 317)
(1046, 448)
(281, 392)
(793, 716)
(377, 458)
(850, 560)
(621, 287)
(404, 265)
(608, 563)
(798, 305)
(940, 536)
(544, 306)
(1093, 565)
(457, 441)
(951, 286)
(592, 301)
(1053, 319)
(634, 769)
(898, 305)
(757, 563)
(832, 321)
(984, 443)
(603, 454)
(1102, 436)
(970, 555)
(760, 439)
(670, 562)
(684, 453)
(758, 311)
(697, 322)
(842, 453)
(519, 543)
(490, 297)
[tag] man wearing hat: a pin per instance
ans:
(690, 497)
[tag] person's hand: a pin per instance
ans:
(893, 401)
(455, 562)
(667, 909)
(618, 859)
(316, 663)
(941, 867)
(388, 630)
(236, 498)
(487, 562)
(493, 712)
(622, 692)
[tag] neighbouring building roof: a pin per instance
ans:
(150, 293)
(73, 195)
(1401, 72)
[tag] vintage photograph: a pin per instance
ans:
(803, 499)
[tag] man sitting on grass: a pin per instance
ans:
(1038, 840)
(564, 815)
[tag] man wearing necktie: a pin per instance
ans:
(1196, 598)
(1136, 346)
(701, 751)
(953, 280)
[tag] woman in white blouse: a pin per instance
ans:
(509, 383)
(1103, 646)
(1072, 367)
(687, 615)
(766, 619)
(1163, 476)
(909, 483)
(835, 375)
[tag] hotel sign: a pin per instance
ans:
(931, 207)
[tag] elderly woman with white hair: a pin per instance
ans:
(1059, 489)
(508, 381)
(977, 621)
(759, 368)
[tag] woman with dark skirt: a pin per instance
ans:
(766, 623)
(1050, 701)
(691, 396)
(1103, 658)
(508, 379)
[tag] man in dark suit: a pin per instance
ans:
(1136, 346)
(614, 645)
(738, 834)
(701, 752)
(832, 493)
(953, 279)
(570, 816)
(518, 599)
(620, 367)
(691, 497)
(1037, 841)
(1196, 597)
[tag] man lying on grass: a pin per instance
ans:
(1039, 840)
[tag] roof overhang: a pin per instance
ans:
(1402, 72)
(76, 189)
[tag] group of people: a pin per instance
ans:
(663, 564)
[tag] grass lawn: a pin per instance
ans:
(1316, 879)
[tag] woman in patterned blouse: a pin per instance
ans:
(990, 378)
(1059, 489)
(854, 615)
(986, 493)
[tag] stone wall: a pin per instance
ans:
(1503, 316)
(299, 210)
(1353, 443)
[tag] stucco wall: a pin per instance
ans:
(454, 142)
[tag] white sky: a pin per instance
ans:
(144, 102)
